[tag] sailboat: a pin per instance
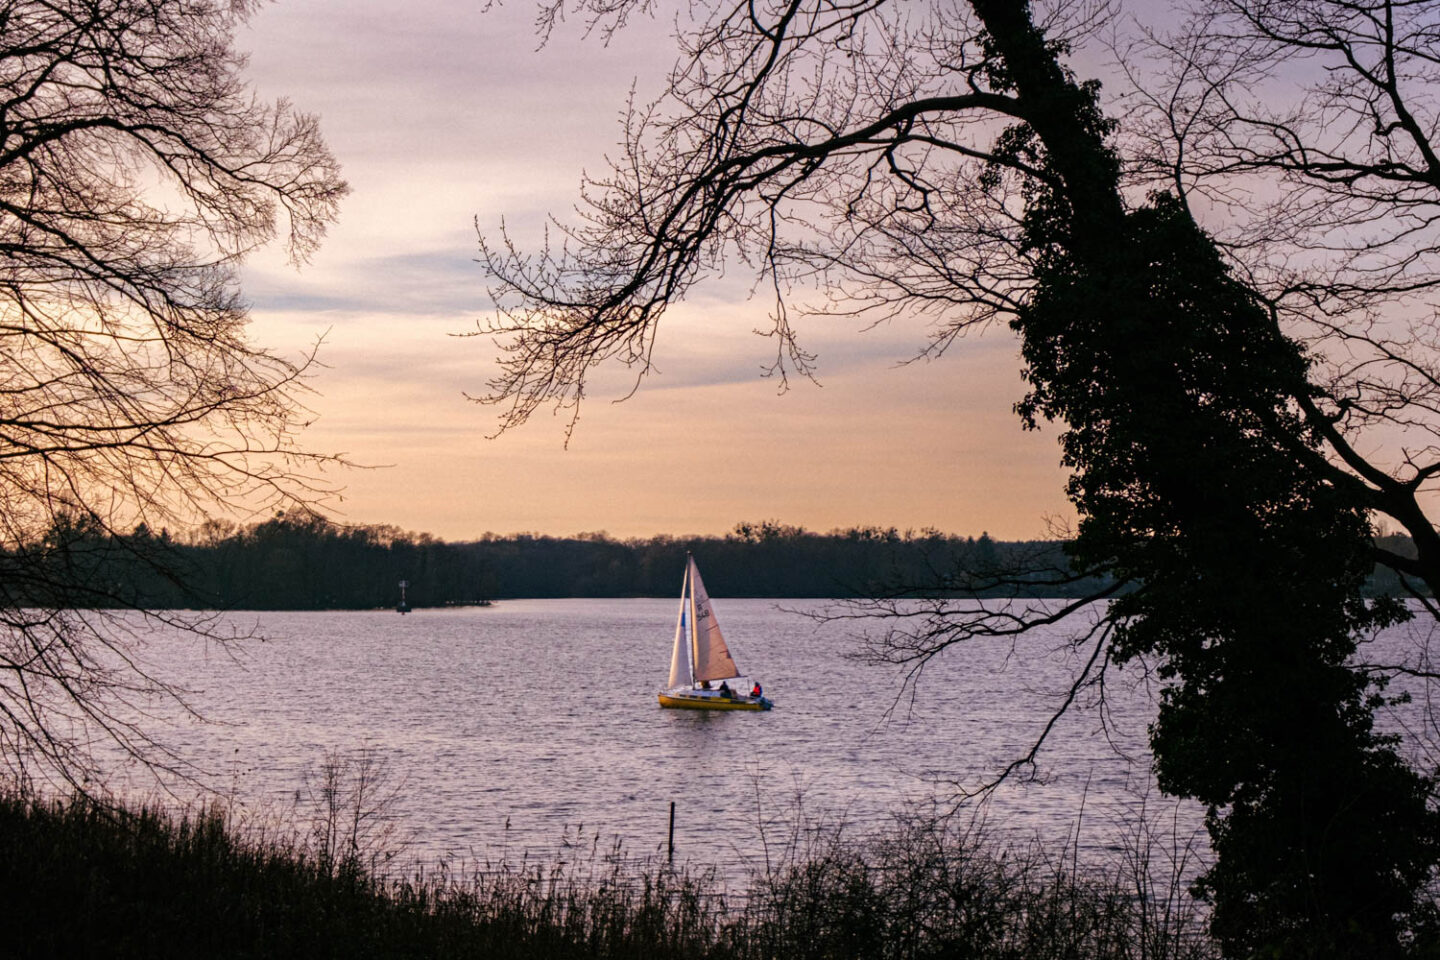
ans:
(701, 657)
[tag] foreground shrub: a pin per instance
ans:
(79, 879)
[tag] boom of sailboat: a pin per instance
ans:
(701, 658)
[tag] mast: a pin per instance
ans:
(694, 630)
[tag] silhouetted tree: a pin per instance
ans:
(137, 170)
(1303, 136)
(925, 160)
(1249, 571)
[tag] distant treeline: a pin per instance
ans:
(301, 561)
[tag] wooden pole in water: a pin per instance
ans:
(671, 844)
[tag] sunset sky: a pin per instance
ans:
(442, 114)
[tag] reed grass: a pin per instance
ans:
(84, 879)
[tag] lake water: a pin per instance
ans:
(519, 727)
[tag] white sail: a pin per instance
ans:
(712, 657)
(680, 657)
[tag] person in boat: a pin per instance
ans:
(725, 690)
(704, 684)
(755, 691)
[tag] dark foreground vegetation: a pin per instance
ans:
(301, 561)
(81, 880)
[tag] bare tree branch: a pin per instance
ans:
(137, 171)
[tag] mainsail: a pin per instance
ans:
(700, 653)
(712, 657)
(680, 657)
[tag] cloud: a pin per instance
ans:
(442, 281)
(448, 71)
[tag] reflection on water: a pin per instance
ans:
(511, 723)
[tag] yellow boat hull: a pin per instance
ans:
(698, 700)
